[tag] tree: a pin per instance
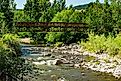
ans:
(19, 16)
(99, 18)
(97, 1)
(91, 16)
(7, 7)
(62, 16)
(43, 10)
(76, 17)
(65, 16)
(35, 8)
(116, 14)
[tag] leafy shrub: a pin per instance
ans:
(95, 43)
(53, 37)
(13, 42)
(24, 34)
(114, 45)
(109, 44)
(15, 68)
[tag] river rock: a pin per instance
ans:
(58, 62)
(39, 58)
(61, 79)
(54, 62)
(54, 77)
(48, 54)
(53, 56)
(83, 74)
(77, 65)
(39, 63)
(25, 40)
(30, 59)
(117, 72)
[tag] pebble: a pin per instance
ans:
(77, 65)
(83, 74)
(39, 63)
(39, 58)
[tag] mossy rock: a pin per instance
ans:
(89, 58)
(58, 44)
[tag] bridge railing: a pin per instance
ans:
(50, 26)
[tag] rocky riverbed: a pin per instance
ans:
(101, 62)
(73, 56)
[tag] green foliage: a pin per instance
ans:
(43, 10)
(20, 16)
(34, 8)
(109, 44)
(7, 7)
(53, 37)
(76, 17)
(2, 22)
(114, 46)
(24, 34)
(63, 16)
(13, 42)
(65, 37)
(11, 65)
(103, 18)
(14, 67)
(95, 43)
(38, 37)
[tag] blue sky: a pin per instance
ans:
(20, 3)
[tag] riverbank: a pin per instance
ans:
(63, 63)
(101, 62)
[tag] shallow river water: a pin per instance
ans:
(66, 73)
(54, 73)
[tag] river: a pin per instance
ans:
(62, 72)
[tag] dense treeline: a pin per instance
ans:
(104, 18)
(101, 18)
(44, 11)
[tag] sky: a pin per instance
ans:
(20, 3)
